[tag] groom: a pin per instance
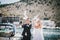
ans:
(26, 32)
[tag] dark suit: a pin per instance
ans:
(26, 32)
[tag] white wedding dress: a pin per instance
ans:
(37, 34)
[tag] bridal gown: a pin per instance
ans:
(37, 34)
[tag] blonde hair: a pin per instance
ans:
(38, 22)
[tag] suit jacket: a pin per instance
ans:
(26, 30)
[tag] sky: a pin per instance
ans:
(7, 1)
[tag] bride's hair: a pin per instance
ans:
(37, 21)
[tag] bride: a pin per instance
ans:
(37, 30)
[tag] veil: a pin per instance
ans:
(35, 19)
